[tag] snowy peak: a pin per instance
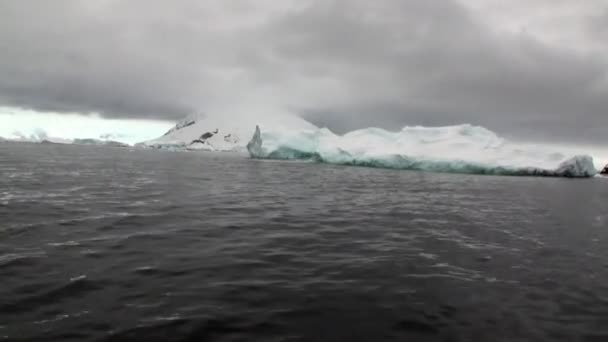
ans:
(185, 122)
(226, 133)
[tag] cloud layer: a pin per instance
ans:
(535, 69)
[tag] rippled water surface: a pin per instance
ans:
(117, 244)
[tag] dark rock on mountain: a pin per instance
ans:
(189, 121)
(204, 137)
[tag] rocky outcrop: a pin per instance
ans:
(189, 121)
(604, 171)
(204, 137)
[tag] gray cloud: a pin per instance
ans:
(345, 64)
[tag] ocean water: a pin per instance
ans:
(106, 244)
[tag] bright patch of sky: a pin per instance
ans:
(21, 124)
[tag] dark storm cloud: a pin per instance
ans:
(347, 64)
(433, 63)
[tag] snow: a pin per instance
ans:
(222, 133)
(457, 149)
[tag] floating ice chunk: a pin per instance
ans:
(456, 149)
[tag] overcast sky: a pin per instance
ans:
(536, 69)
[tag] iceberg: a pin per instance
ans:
(223, 133)
(454, 149)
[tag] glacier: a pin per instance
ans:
(464, 149)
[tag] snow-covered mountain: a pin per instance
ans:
(41, 137)
(36, 136)
(225, 133)
(99, 142)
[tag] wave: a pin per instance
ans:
(464, 149)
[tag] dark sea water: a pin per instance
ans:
(115, 244)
